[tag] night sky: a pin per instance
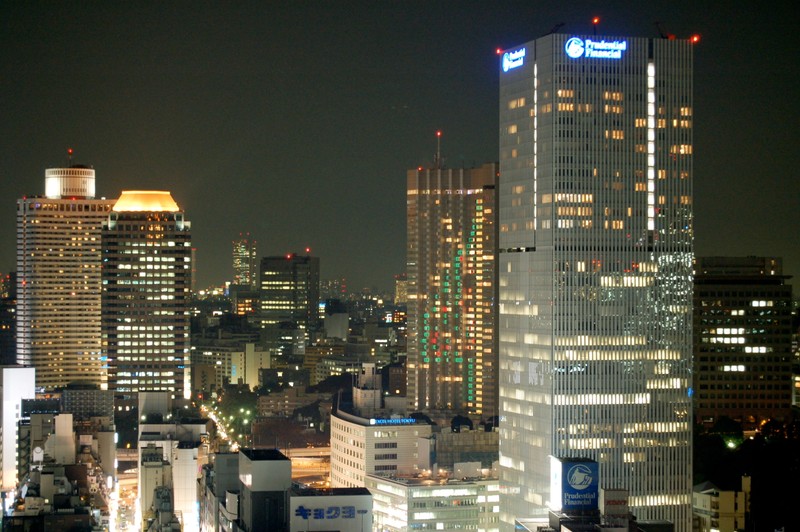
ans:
(297, 121)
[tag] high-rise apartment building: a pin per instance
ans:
(58, 279)
(451, 282)
(244, 261)
(147, 269)
(595, 266)
(289, 293)
(742, 340)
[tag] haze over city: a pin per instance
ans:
(297, 121)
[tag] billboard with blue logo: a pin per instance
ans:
(573, 484)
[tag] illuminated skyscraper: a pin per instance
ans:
(596, 269)
(244, 261)
(147, 252)
(58, 279)
(451, 280)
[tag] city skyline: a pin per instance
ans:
(302, 119)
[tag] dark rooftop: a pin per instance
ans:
(263, 454)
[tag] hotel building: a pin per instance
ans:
(451, 284)
(147, 273)
(58, 279)
(595, 266)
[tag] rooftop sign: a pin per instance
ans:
(577, 48)
(513, 59)
(395, 421)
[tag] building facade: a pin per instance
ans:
(411, 503)
(244, 261)
(289, 293)
(58, 279)
(742, 340)
(16, 384)
(595, 268)
(146, 277)
(361, 446)
(451, 282)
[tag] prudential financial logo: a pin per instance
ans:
(513, 59)
(579, 477)
(574, 47)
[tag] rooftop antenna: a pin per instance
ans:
(555, 28)
(663, 34)
(595, 22)
(69, 156)
(438, 163)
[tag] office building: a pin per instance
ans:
(403, 503)
(742, 340)
(146, 289)
(451, 283)
(289, 296)
(58, 279)
(244, 261)
(595, 266)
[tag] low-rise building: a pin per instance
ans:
(402, 503)
(719, 510)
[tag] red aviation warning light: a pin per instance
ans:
(596, 21)
(498, 51)
(694, 38)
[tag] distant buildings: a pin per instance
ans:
(742, 340)
(146, 289)
(245, 271)
(595, 265)
(59, 279)
(451, 289)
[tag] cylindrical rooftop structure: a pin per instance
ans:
(73, 182)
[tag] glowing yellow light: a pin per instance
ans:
(145, 200)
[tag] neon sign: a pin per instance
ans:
(397, 421)
(577, 48)
(513, 59)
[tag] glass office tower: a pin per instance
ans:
(596, 269)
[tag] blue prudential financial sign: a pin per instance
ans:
(580, 486)
(576, 48)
